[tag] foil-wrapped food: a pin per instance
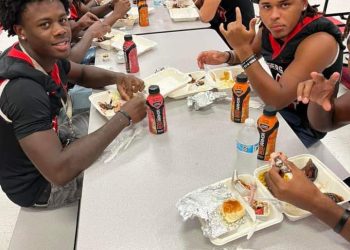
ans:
(217, 206)
(204, 99)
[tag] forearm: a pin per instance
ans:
(75, 28)
(112, 18)
(329, 212)
(93, 77)
(79, 50)
(266, 87)
(78, 156)
(101, 11)
(320, 119)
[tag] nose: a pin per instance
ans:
(59, 29)
(275, 13)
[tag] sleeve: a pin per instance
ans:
(26, 103)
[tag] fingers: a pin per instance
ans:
(201, 60)
(223, 31)
(238, 15)
(305, 89)
(92, 16)
(123, 92)
(334, 78)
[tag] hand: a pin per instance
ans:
(121, 7)
(128, 85)
(98, 29)
(136, 108)
(211, 57)
(236, 34)
(299, 190)
(87, 20)
(318, 90)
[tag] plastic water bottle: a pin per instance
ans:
(157, 3)
(247, 144)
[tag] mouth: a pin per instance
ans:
(62, 45)
(277, 28)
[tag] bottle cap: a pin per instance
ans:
(153, 89)
(269, 111)
(127, 37)
(249, 122)
(242, 78)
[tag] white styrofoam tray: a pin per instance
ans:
(216, 76)
(168, 80)
(134, 12)
(274, 217)
(183, 14)
(326, 181)
(105, 96)
(190, 88)
(142, 44)
(172, 4)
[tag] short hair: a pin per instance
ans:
(11, 11)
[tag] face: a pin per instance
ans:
(281, 16)
(44, 30)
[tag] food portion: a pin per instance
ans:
(334, 197)
(261, 208)
(112, 105)
(223, 78)
(310, 170)
(232, 210)
(197, 81)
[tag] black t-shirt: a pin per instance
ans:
(226, 12)
(27, 104)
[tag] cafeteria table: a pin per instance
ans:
(129, 203)
(160, 21)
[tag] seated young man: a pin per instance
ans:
(294, 41)
(35, 168)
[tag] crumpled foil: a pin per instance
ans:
(204, 203)
(123, 141)
(204, 99)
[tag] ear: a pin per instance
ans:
(20, 32)
(305, 3)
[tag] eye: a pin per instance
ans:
(285, 5)
(45, 25)
(266, 6)
(64, 20)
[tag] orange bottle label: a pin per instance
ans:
(268, 128)
(143, 14)
(240, 102)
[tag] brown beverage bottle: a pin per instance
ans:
(156, 111)
(143, 13)
(240, 99)
(268, 128)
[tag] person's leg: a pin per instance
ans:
(59, 196)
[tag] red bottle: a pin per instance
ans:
(156, 111)
(130, 55)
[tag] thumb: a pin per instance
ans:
(252, 24)
(334, 77)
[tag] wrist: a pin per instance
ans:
(126, 117)
(244, 52)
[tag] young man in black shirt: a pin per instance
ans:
(35, 168)
(294, 40)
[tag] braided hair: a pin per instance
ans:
(11, 11)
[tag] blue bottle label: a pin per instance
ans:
(249, 149)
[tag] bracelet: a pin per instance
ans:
(231, 57)
(249, 61)
(124, 113)
(342, 221)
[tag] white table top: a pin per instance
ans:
(174, 49)
(160, 21)
(129, 203)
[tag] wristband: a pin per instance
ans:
(124, 113)
(231, 57)
(249, 61)
(342, 221)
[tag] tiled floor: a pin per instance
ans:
(338, 142)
